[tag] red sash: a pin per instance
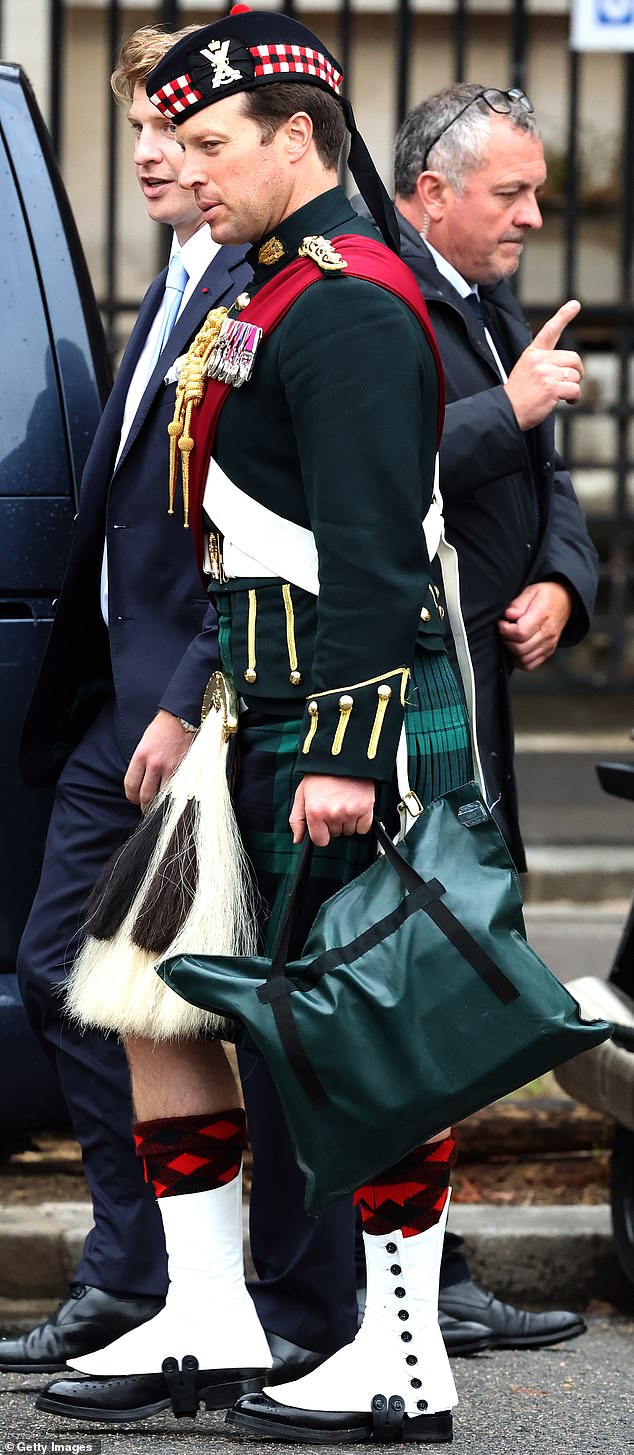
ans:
(366, 259)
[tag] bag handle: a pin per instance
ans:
(276, 989)
(407, 875)
(301, 872)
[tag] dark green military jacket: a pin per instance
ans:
(336, 431)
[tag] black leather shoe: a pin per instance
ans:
(290, 1361)
(461, 1336)
(511, 1328)
(87, 1320)
(260, 1415)
(137, 1396)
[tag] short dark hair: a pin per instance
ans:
(270, 106)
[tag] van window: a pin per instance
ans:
(33, 452)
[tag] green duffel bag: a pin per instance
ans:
(416, 1001)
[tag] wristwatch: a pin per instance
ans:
(188, 726)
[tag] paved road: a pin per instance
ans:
(571, 1400)
(561, 801)
(575, 939)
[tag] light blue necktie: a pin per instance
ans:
(175, 285)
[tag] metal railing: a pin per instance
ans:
(606, 327)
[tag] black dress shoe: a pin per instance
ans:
(260, 1415)
(461, 1336)
(87, 1320)
(511, 1328)
(137, 1396)
(290, 1361)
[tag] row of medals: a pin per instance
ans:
(233, 356)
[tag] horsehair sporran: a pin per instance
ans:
(180, 884)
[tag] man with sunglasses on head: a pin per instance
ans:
(469, 167)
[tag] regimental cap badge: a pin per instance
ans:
(217, 55)
(321, 252)
(271, 252)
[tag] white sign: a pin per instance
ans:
(602, 25)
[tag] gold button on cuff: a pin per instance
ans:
(346, 704)
(294, 675)
(313, 713)
(384, 693)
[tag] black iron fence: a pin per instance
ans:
(597, 437)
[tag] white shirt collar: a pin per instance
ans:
(197, 253)
(450, 273)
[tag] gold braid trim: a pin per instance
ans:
(190, 391)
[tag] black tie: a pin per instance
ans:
(474, 304)
(476, 307)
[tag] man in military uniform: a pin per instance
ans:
(132, 647)
(328, 624)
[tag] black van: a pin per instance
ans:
(54, 379)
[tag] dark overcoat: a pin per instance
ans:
(510, 506)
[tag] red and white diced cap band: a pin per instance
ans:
(271, 60)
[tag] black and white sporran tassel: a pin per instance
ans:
(180, 884)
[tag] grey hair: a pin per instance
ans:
(462, 147)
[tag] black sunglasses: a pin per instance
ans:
(500, 101)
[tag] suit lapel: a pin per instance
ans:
(217, 284)
(115, 404)
(136, 341)
(104, 447)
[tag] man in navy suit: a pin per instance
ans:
(131, 650)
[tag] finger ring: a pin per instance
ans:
(564, 375)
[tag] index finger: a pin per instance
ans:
(551, 331)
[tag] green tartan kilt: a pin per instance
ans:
(439, 756)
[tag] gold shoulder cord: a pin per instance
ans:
(190, 391)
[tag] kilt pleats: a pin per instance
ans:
(439, 757)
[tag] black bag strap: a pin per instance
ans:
(277, 991)
(421, 894)
(301, 872)
(451, 927)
